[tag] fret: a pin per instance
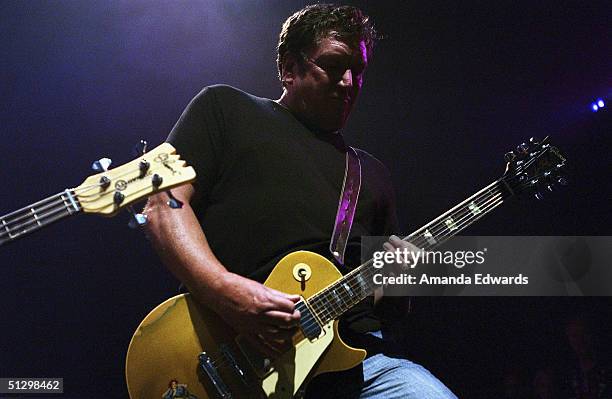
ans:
(349, 291)
(475, 209)
(329, 308)
(7, 229)
(72, 202)
(450, 224)
(361, 284)
(35, 216)
(338, 297)
(429, 237)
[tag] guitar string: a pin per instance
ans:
(483, 193)
(466, 214)
(498, 192)
(468, 218)
(53, 200)
(34, 222)
(332, 313)
(27, 214)
(488, 193)
(351, 283)
(356, 271)
(368, 274)
(57, 201)
(462, 223)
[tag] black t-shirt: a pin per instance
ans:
(268, 186)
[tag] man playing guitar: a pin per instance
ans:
(269, 175)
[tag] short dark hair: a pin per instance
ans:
(305, 28)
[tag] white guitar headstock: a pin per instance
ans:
(155, 171)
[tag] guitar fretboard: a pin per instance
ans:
(37, 215)
(331, 302)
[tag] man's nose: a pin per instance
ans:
(347, 78)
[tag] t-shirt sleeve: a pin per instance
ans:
(197, 137)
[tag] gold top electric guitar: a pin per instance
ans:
(184, 345)
(104, 193)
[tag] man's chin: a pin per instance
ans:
(333, 126)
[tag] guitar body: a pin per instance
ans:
(168, 343)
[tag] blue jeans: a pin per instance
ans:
(379, 377)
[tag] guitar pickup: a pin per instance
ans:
(308, 323)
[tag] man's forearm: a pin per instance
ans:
(180, 242)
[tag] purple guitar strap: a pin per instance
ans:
(346, 205)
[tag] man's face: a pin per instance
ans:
(324, 91)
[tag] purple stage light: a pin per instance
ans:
(600, 103)
(594, 107)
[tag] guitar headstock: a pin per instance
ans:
(158, 170)
(535, 166)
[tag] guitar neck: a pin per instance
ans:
(37, 215)
(333, 301)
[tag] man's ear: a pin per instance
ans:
(289, 70)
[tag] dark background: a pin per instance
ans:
(449, 91)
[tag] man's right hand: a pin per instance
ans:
(265, 317)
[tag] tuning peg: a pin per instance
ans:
(533, 141)
(101, 165)
(173, 202)
(143, 166)
(562, 181)
(522, 148)
(157, 181)
(136, 219)
(510, 156)
(139, 148)
(549, 187)
(538, 195)
(104, 182)
(118, 197)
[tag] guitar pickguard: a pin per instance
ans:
(292, 369)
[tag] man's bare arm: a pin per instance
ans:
(264, 315)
